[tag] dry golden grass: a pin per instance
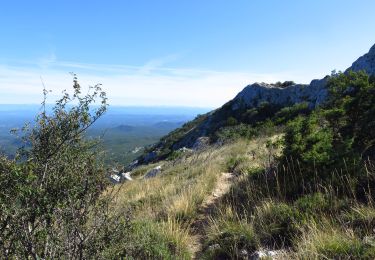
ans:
(172, 199)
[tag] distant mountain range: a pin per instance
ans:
(122, 129)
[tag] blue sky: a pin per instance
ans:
(191, 53)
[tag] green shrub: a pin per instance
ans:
(276, 224)
(341, 248)
(52, 203)
(317, 204)
(312, 204)
(235, 162)
(232, 133)
(231, 241)
(231, 121)
(175, 155)
(284, 84)
(334, 139)
(288, 113)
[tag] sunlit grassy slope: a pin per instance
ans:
(170, 202)
(249, 217)
(302, 185)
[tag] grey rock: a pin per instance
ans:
(244, 253)
(263, 253)
(365, 62)
(133, 164)
(315, 93)
(255, 94)
(153, 172)
(125, 176)
(201, 143)
(150, 156)
(214, 247)
(185, 150)
(114, 178)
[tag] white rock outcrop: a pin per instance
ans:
(114, 178)
(255, 94)
(153, 172)
(315, 93)
(125, 176)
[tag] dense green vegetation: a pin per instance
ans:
(54, 195)
(336, 137)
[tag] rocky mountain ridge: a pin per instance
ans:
(252, 96)
(315, 93)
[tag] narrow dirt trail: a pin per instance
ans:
(205, 211)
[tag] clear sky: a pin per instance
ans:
(176, 52)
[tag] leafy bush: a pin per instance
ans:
(319, 204)
(333, 139)
(51, 195)
(313, 204)
(289, 113)
(276, 224)
(231, 121)
(231, 240)
(284, 84)
(229, 134)
(237, 164)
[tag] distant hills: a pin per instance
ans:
(122, 129)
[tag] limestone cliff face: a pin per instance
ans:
(315, 93)
(366, 62)
(255, 94)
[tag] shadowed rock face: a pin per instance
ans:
(366, 62)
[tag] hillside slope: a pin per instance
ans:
(256, 102)
(279, 181)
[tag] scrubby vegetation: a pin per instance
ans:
(302, 187)
(316, 201)
(51, 195)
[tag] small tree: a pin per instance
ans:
(51, 196)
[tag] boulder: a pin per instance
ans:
(153, 172)
(133, 164)
(201, 143)
(125, 176)
(268, 254)
(149, 157)
(114, 178)
(185, 150)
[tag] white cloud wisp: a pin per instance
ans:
(130, 85)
